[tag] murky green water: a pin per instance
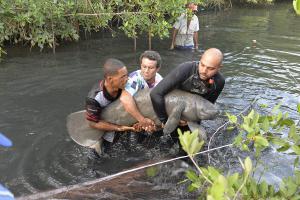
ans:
(38, 91)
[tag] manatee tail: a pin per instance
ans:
(80, 131)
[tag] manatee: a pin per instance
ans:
(179, 105)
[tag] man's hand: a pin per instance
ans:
(182, 123)
(137, 127)
(148, 125)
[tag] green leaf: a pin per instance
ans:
(204, 171)
(279, 116)
(289, 187)
(296, 149)
(238, 139)
(263, 188)
(191, 175)
(196, 146)
(263, 105)
(183, 140)
(287, 122)
(246, 120)
(276, 108)
(196, 185)
(278, 141)
(232, 179)
(296, 162)
(293, 135)
(261, 141)
(213, 173)
(151, 171)
(218, 188)
(255, 119)
(245, 147)
(297, 176)
(232, 118)
(253, 187)
(271, 190)
(230, 128)
(265, 125)
(251, 114)
(190, 142)
(191, 188)
(298, 107)
(284, 148)
(248, 166)
(247, 128)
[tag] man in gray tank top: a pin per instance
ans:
(102, 94)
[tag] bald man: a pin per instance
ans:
(201, 77)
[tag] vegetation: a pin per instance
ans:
(296, 5)
(46, 23)
(257, 132)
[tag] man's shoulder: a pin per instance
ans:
(158, 76)
(97, 87)
(188, 65)
(220, 78)
(195, 17)
(135, 74)
(181, 72)
(180, 19)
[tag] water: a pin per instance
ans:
(38, 90)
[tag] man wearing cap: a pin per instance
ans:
(185, 29)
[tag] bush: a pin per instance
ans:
(259, 131)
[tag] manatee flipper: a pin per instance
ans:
(80, 131)
(173, 119)
(201, 131)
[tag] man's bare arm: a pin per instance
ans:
(106, 126)
(131, 107)
(196, 40)
(175, 31)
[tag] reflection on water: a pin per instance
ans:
(38, 91)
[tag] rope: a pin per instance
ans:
(158, 163)
(109, 177)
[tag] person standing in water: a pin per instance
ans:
(185, 30)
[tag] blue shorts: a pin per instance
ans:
(177, 47)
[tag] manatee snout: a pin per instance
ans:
(209, 111)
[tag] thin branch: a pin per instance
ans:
(199, 169)
(99, 14)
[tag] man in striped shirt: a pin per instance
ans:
(146, 77)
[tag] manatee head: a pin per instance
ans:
(206, 109)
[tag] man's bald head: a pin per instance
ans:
(214, 55)
(210, 63)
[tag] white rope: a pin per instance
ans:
(109, 177)
(158, 163)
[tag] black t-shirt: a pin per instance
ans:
(177, 78)
(98, 98)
